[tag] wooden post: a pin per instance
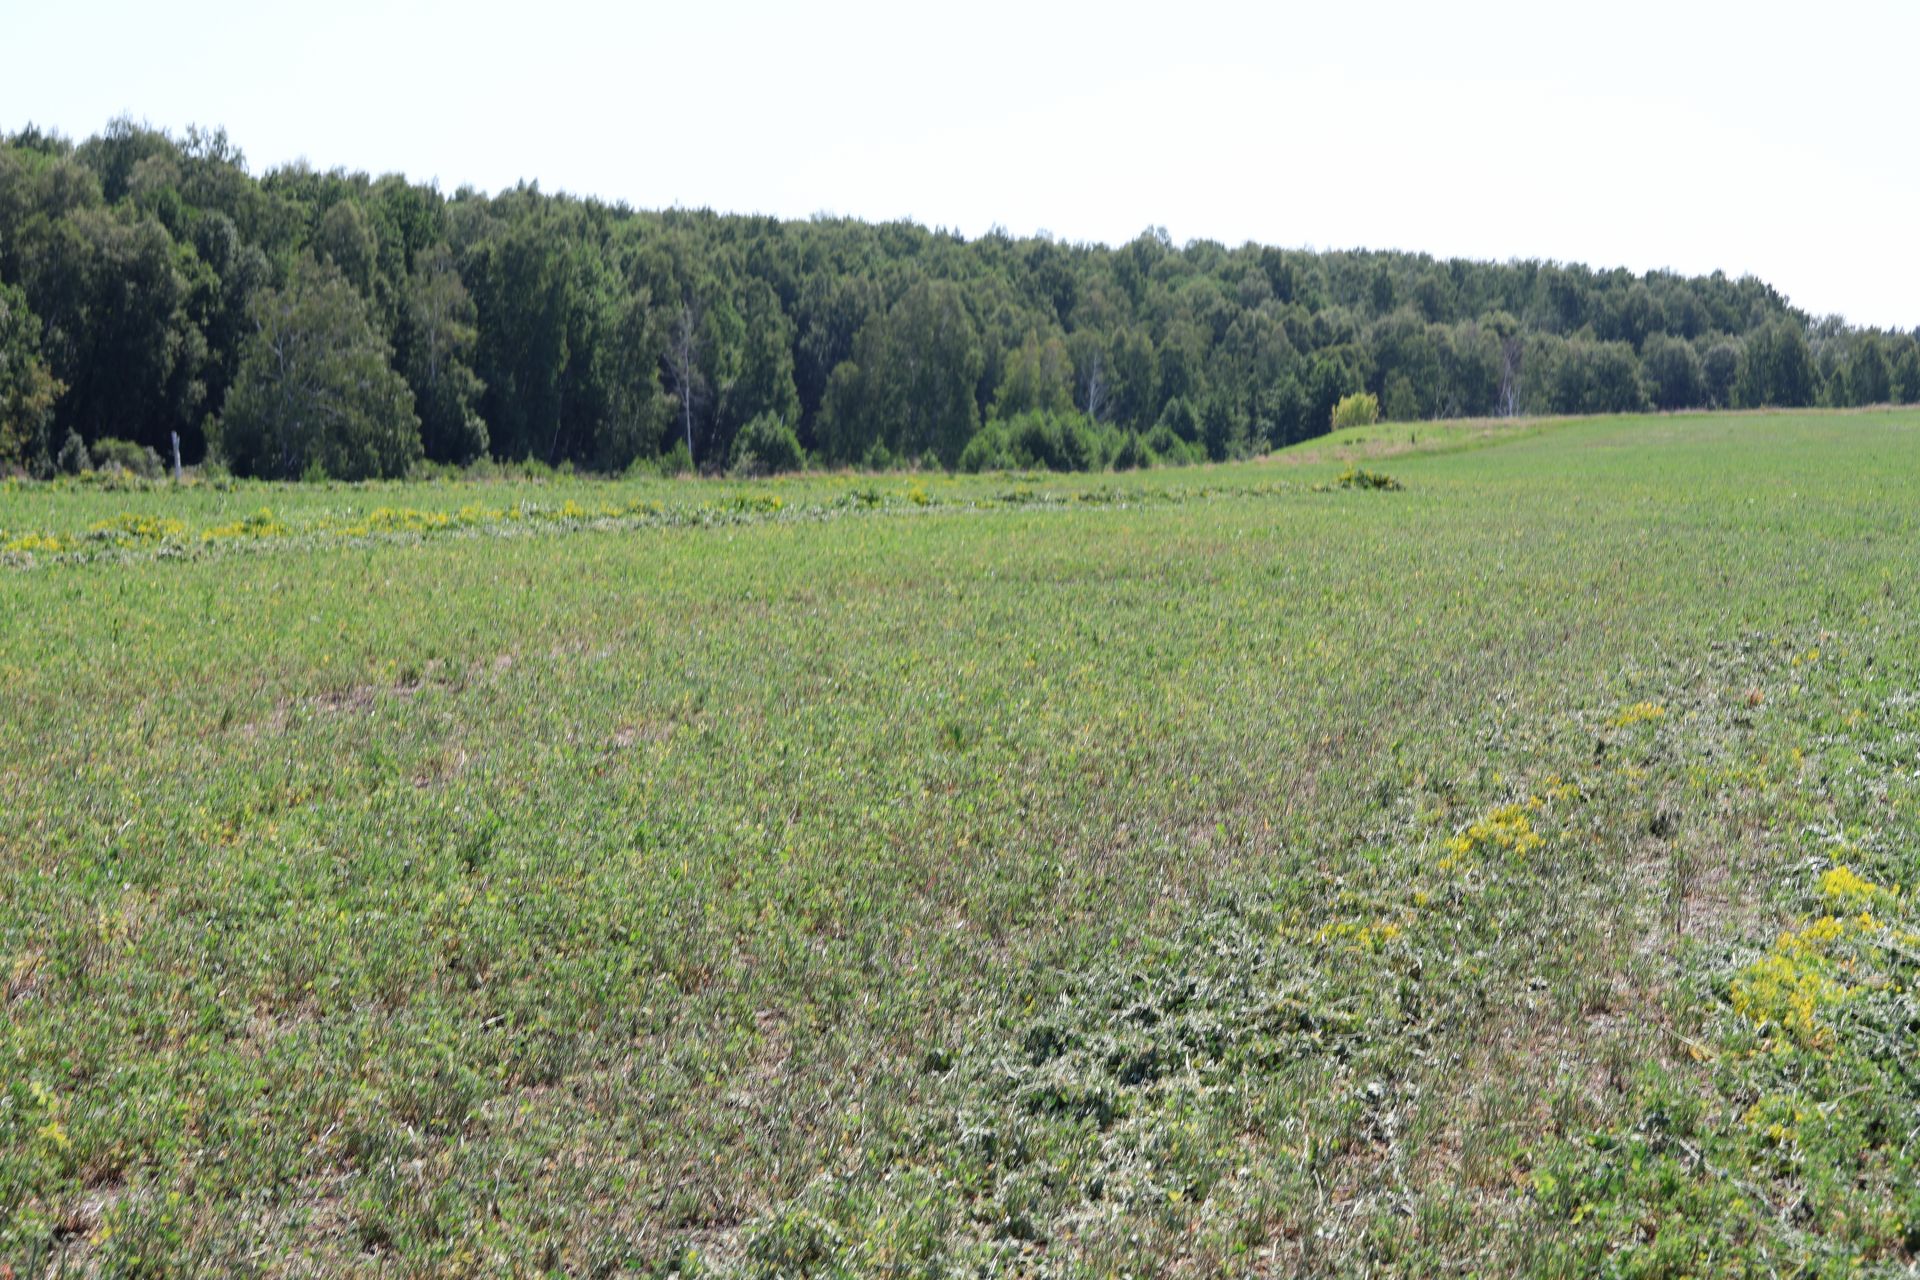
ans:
(176, 455)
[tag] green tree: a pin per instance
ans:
(1719, 370)
(1471, 365)
(638, 413)
(911, 388)
(1223, 431)
(436, 340)
(1180, 363)
(1280, 413)
(1037, 377)
(848, 426)
(316, 389)
(1134, 362)
(759, 380)
(346, 239)
(1332, 377)
(593, 326)
(1869, 380)
(522, 292)
(234, 271)
(1776, 368)
(1398, 402)
(1613, 379)
(1640, 315)
(1673, 373)
(27, 390)
(1590, 377)
(110, 290)
(1180, 420)
(832, 309)
(73, 457)
(1380, 291)
(1905, 380)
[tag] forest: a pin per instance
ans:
(301, 324)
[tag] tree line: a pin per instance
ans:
(301, 323)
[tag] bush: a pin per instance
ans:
(73, 457)
(1171, 449)
(1223, 431)
(676, 461)
(1133, 454)
(1356, 478)
(1180, 419)
(766, 446)
(1039, 439)
(1359, 410)
(878, 458)
(987, 451)
(125, 454)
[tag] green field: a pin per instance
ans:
(1214, 871)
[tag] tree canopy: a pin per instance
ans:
(146, 280)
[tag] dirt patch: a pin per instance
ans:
(629, 735)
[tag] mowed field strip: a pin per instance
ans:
(1188, 872)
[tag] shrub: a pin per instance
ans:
(1133, 454)
(767, 446)
(1171, 449)
(1223, 430)
(73, 457)
(878, 458)
(1355, 478)
(1039, 439)
(987, 451)
(1361, 409)
(677, 461)
(1180, 419)
(125, 454)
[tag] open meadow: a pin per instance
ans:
(1223, 870)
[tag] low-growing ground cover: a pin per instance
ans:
(1225, 870)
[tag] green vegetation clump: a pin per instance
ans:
(73, 457)
(1049, 441)
(767, 446)
(1360, 478)
(108, 453)
(1362, 409)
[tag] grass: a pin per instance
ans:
(1180, 873)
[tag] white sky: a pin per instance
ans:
(1762, 137)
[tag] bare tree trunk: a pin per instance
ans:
(1510, 377)
(685, 355)
(1096, 389)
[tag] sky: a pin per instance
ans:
(1760, 138)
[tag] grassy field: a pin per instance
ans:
(1221, 871)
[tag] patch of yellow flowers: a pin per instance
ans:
(1808, 975)
(135, 528)
(48, 543)
(142, 530)
(1359, 935)
(1508, 830)
(1638, 713)
(260, 524)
